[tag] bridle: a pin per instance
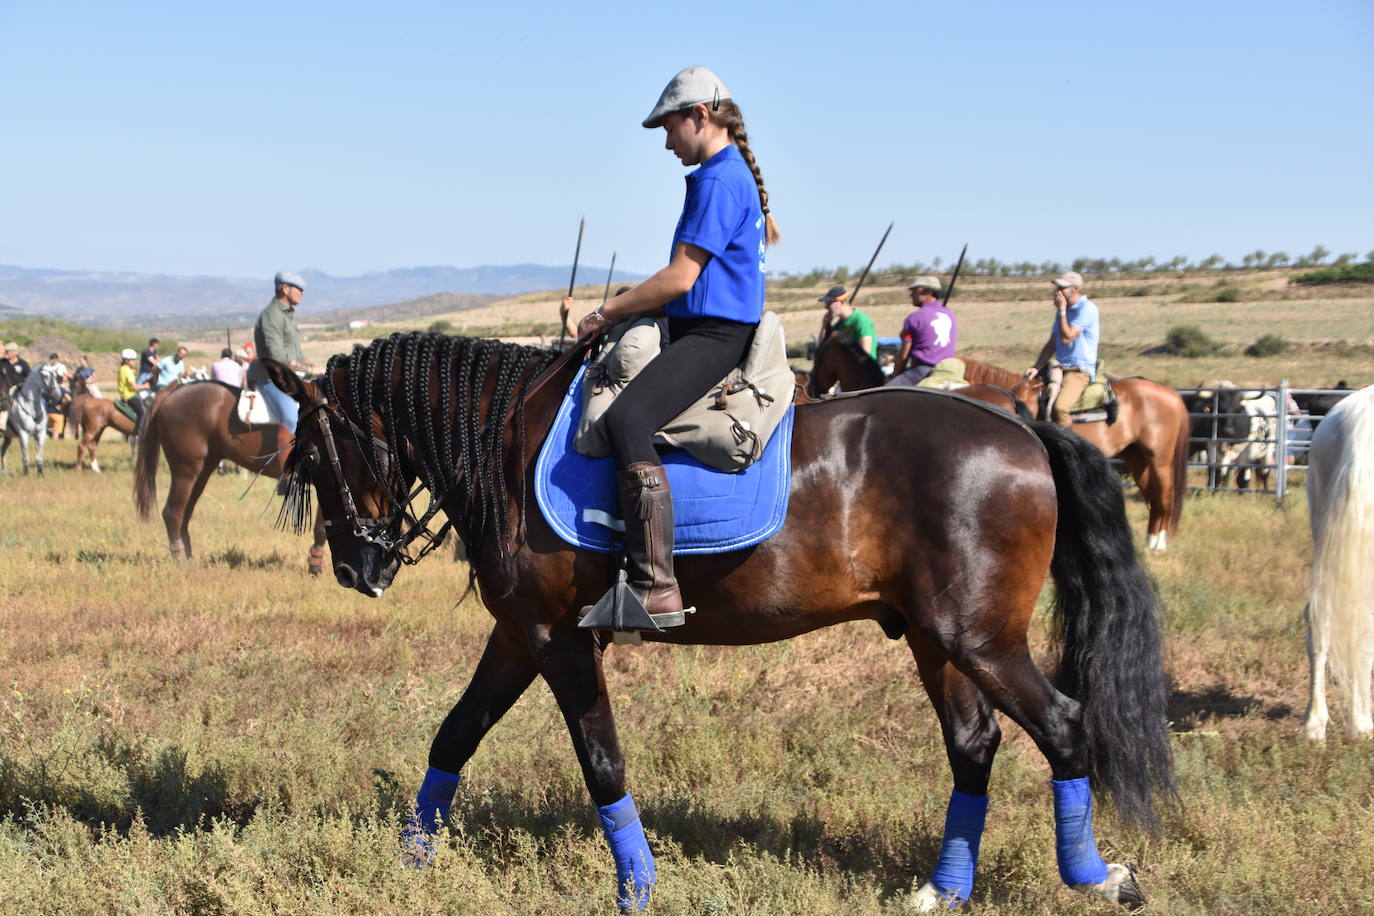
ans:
(370, 529)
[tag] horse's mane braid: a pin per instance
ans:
(425, 387)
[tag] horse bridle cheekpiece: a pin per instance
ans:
(370, 529)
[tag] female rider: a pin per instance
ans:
(712, 291)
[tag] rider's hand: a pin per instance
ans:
(565, 307)
(592, 324)
(1032, 372)
(1060, 302)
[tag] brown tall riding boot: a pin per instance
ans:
(646, 503)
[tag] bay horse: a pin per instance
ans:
(1340, 612)
(840, 360)
(89, 416)
(1151, 435)
(990, 507)
(196, 426)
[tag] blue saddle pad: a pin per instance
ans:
(714, 511)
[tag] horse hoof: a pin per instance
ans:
(1119, 886)
(929, 900)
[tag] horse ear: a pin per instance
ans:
(290, 383)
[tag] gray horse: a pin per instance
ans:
(29, 416)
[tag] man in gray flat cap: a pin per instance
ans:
(1072, 344)
(276, 336)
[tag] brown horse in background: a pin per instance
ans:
(197, 426)
(1151, 435)
(89, 417)
(840, 360)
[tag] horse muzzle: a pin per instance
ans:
(371, 572)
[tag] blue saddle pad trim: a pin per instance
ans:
(714, 511)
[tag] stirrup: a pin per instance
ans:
(621, 610)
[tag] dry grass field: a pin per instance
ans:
(230, 736)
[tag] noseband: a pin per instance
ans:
(373, 530)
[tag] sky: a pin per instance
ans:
(239, 138)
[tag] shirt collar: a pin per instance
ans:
(715, 163)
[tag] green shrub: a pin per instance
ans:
(1268, 345)
(1353, 273)
(1188, 341)
(1227, 294)
(442, 326)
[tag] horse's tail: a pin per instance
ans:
(1107, 619)
(145, 465)
(1340, 495)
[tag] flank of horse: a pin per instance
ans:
(28, 418)
(988, 509)
(89, 417)
(1340, 612)
(196, 426)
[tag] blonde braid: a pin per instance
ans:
(729, 117)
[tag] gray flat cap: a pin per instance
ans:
(690, 87)
(287, 278)
(929, 282)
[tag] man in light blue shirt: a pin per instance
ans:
(1073, 343)
(171, 368)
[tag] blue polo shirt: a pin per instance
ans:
(721, 216)
(1081, 352)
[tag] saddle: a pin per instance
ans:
(948, 374)
(727, 428)
(254, 409)
(1096, 404)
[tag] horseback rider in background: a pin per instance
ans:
(1073, 343)
(276, 336)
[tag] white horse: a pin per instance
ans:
(29, 416)
(1340, 613)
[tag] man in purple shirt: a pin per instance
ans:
(928, 334)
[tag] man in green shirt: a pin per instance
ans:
(276, 336)
(844, 319)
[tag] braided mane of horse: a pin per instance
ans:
(425, 387)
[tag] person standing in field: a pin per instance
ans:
(929, 334)
(147, 363)
(1073, 343)
(843, 318)
(86, 372)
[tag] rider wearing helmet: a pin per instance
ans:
(128, 386)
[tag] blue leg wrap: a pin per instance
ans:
(1079, 862)
(432, 804)
(634, 863)
(953, 875)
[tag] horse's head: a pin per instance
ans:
(361, 486)
(50, 381)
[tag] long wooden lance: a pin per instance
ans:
(572, 281)
(954, 276)
(607, 294)
(864, 276)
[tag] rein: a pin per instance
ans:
(372, 529)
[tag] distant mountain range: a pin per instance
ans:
(133, 299)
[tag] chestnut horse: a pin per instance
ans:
(89, 417)
(1151, 435)
(989, 508)
(840, 360)
(197, 426)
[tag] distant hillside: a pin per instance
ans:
(423, 307)
(123, 299)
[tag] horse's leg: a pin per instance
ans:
(315, 562)
(1361, 713)
(176, 511)
(1150, 481)
(42, 436)
(1008, 677)
(502, 676)
(198, 487)
(569, 659)
(971, 737)
(1318, 643)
